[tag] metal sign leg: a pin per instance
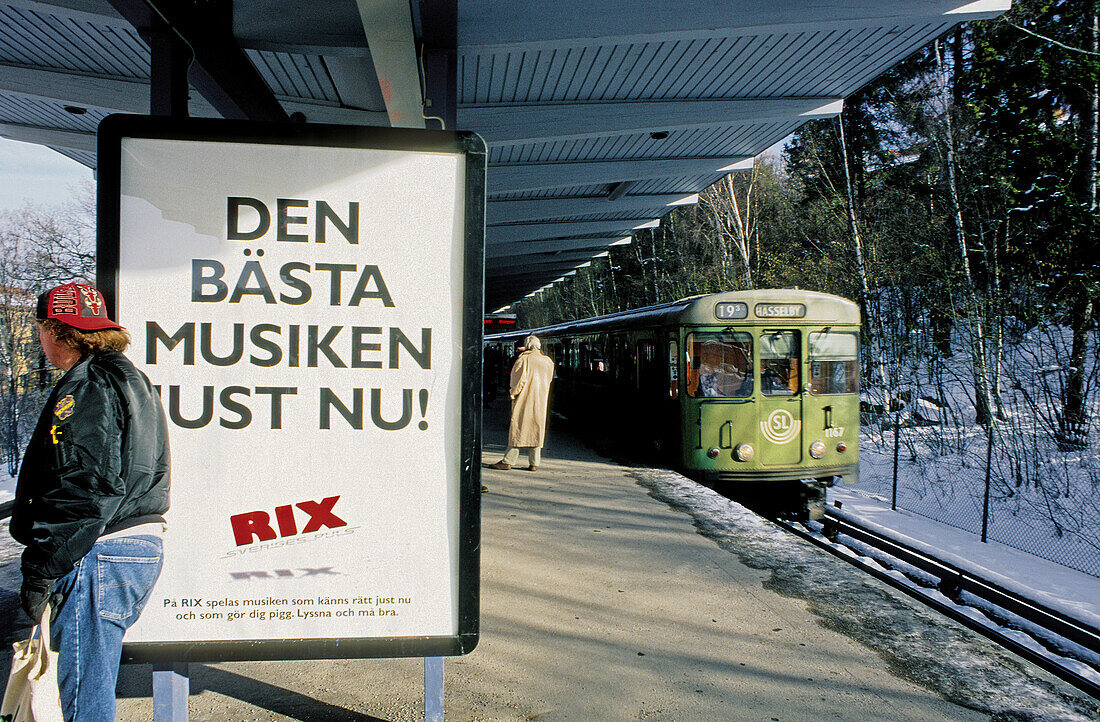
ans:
(171, 687)
(433, 689)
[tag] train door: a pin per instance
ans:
(653, 402)
(716, 402)
(780, 397)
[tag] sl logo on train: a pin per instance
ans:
(780, 427)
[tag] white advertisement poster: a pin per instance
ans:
(300, 309)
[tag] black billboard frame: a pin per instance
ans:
(111, 132)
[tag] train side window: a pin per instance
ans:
(625, 365)
(598, 363)
(719, 364)
(779, 363)
(834, 363)
(648, 370)
(673, 370)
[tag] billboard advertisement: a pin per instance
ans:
(308, 302)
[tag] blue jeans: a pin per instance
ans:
(104, 595)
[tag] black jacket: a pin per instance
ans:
(97, 463)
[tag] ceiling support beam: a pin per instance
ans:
(389, 31)
(568, 261)
(514, 250)
(168, 61)
(221, 72)
(535, 231)
(619, 190)
(55, 137)
(439, 23)
(95, 11)
(515, 124)
(354, 78)
(538, 176)
(132, 96)
(326, 28)
(511, 211)
(82, 89)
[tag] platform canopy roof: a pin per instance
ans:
(600, 117)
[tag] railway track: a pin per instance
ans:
(1063, 646)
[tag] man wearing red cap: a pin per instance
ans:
(92, 491)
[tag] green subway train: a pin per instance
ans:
(755, 393)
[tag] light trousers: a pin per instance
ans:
(534, 455)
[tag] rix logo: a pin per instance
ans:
(258, 523)
(284, 573)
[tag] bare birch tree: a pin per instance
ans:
(734, 226)
(979, 356)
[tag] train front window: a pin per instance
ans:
(719, 364)
(834, 363)
(779, 355)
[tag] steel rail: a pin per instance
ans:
(953, 581)
(965, 581)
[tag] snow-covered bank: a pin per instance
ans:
(920, 645)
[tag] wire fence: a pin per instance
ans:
(1005, 484)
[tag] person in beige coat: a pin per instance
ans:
(530, 389)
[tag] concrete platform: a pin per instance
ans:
(601, 602)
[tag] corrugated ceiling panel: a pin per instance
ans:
(83, 157)
(655, 212)
(28, 111)
(694, 142)
(686, 185)
(294, 75)
(700, 68)
(30, 38)
(833, 71)
(827, 63)
(599, 189)
(914, 38)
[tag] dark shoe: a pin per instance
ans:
(484, 488)
(500, 465)
(532, 467)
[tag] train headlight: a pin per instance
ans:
(744, 452)
(713, 452)
(817, 449)
(841, 447)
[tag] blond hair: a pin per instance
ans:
(86, 342)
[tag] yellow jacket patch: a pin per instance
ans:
(65, 407)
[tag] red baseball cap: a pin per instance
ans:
(75, 304)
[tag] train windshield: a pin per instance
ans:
(719, 364)
(834, 363)
(779, 362)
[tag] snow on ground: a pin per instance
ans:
(1073, 593)
(7, 486)
(919, 644)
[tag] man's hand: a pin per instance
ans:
(33, 595)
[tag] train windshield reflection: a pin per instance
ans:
(779, 363)
(719, 364)
(834, 363)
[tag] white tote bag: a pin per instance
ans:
(32, 694)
